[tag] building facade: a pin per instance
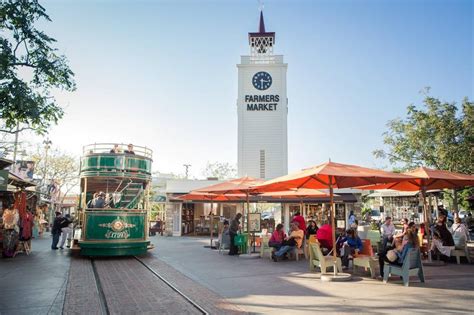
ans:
(262, 108)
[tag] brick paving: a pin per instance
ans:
(82, 296)
(207, 299)
(264, 287)
(130, 288)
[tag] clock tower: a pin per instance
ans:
(262, 109)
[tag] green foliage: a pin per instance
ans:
(436, 136)
(440, 136)
(220, 170)
(30, 68)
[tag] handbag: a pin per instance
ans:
(239, 240)
(392, 255)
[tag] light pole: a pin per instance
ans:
(187, 166)
(47, 145)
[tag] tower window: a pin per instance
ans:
(262, 163)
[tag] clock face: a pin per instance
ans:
(262, 80)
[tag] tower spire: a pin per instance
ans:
(261, 27)
(261, 42)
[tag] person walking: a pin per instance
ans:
(56, 231)
(66, 231)
(233, 229)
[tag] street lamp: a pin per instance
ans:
(47, 145)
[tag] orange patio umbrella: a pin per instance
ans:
(331, 175)
(200, 196)
(296, 193)
(235, 186)
(428, 179)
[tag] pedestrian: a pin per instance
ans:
(352, 219)
(56, 231)
(66, 231)
(233, 229)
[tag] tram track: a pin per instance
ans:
(109, 283)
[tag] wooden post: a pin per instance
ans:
(333, 225)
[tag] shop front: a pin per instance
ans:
(16, 212)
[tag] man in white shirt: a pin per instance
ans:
(388, 231)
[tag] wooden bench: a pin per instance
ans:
(411, 266)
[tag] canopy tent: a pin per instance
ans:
(330, 175)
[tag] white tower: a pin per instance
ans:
(262, 108)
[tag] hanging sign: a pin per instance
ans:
(254, 222)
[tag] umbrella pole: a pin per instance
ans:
(248, 222)
(333, 225)
(211, 224)
(427, 216)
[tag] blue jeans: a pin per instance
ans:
(283, 250)
(55, 240)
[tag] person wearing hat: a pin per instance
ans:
(56, 231)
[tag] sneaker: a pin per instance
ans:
(54, 248)
(68, 246)
(61, 247)
(274, 257)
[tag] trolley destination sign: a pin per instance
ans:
(262, 102)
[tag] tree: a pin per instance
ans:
(221, 170)
(30, 68)
(440, 136)
(60, 168)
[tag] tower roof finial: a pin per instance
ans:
(261, 26)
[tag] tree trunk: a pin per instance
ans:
(455, 201)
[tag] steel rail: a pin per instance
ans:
(197, 306)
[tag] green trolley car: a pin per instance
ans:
(114, 205)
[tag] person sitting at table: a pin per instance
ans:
(352, 246)
(460, 233)
(388, 231)
(324, 236)
(294, 241)
(311, 229)
(443, 241)
(278, 236)
(400, 252)
(300, 220)
(405, 225)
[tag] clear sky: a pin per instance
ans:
(163, 73)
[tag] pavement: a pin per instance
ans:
(262, 286)
(34, 284)
(47, 281)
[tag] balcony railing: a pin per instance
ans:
(262, 59)
(118, 148)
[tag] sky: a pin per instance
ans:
(163, 74)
